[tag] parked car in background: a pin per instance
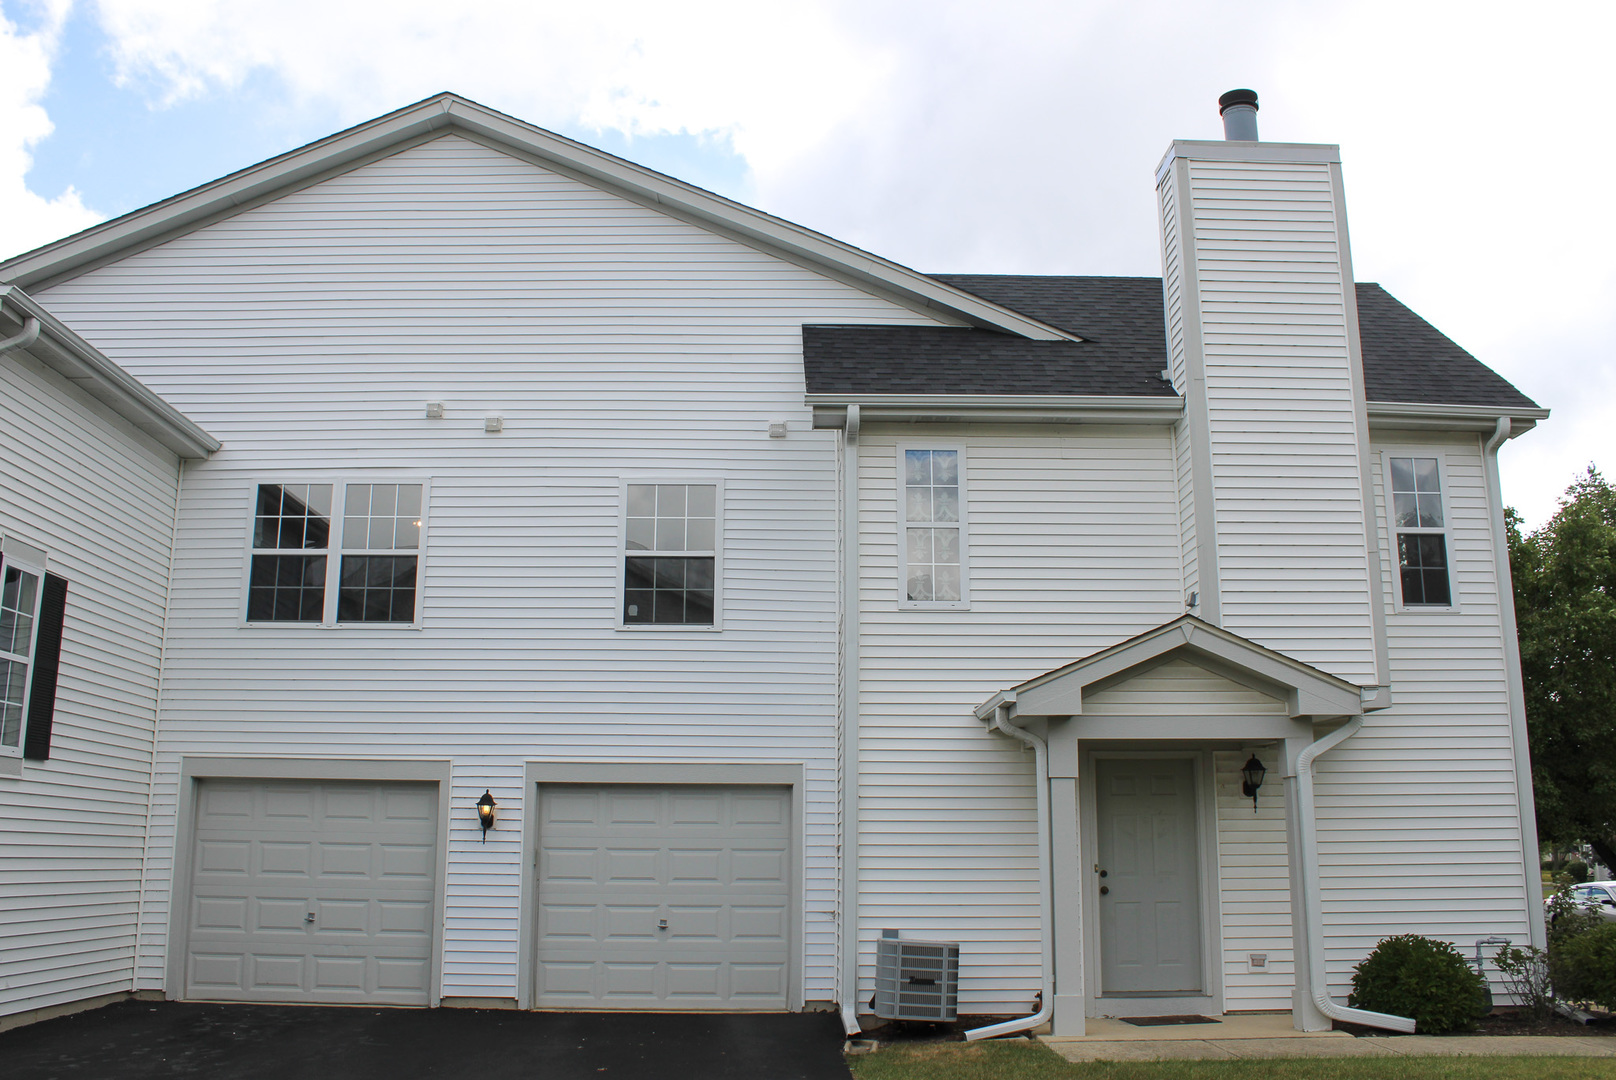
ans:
(1598, 897)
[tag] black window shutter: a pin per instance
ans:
(47, 661)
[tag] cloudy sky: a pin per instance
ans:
(1014, 136)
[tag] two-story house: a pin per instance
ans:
(609, 596)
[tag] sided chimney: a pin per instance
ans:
(1239, 111)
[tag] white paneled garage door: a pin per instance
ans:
(312, 892)
(674, 897)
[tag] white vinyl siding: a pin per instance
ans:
(1418, 821)
(1074, 546)
(1255, 886)
(98, 497)
(615, 341)
(1279, 411)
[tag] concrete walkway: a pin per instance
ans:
(1271, 1036)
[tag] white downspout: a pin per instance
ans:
(850, 713)
(1046, 894)
(1517, 692)
(1312, 900)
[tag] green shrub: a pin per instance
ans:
(1578, 871)
(1427, 980)
(1583, 966)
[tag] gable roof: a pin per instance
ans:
(1122, 350)
(449, 113)
(1306, 690)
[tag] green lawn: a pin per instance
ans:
(1030, 1061)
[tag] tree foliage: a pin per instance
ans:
(1565, 606)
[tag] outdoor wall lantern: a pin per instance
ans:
(485, 812)
(1251, 774)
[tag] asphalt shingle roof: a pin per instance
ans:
(1406, 359)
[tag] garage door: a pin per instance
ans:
(664, 897)
(313, 892)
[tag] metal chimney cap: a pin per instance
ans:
(1236, 97)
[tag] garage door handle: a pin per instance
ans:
(309, 917)
(662, 924)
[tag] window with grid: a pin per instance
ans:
(670, 554)
(932, 550)
(19, 615)
(1420, 526)
(310, 565)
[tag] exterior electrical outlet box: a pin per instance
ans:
(916, 980)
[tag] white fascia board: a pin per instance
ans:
(1267, 152)
(1309, 691)
(447, 112)
(82, 364)
(830, 409)
(1453, 417)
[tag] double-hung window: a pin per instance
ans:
(670, 554)
(931, 551)
(19, 616)
(335, 553)
(33, 604)
(1420, 532)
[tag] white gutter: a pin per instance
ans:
(1512, 671)
(1312, 901)
(850, 713)
(1046, 895)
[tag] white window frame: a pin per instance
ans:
(335, 550)
(1446, 532)
(904, 603)
(31, 560)
(623, 553)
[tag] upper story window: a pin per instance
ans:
(1420, 531)
(670, 554)
(931, 552)
(311, 565)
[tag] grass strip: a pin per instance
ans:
(1031, 1061)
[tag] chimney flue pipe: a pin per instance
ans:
(1239, 111)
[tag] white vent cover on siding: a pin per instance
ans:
(916, 980)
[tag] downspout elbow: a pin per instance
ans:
(1319, 989)
(29, 335)
(1046, 902)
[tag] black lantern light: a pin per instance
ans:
(1251, 776)
(485, 813)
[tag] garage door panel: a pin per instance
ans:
(615, 862)
(328, 851)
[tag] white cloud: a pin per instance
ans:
(1021, 135)
(27, 219)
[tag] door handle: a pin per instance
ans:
(1104, 889)
(662, 924)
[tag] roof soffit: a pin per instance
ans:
(448, 113)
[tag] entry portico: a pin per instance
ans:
(1157, 882)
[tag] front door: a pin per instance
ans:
(1150, 905)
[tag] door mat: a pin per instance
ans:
(1165, 1021)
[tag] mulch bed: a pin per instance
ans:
(1512, 1022)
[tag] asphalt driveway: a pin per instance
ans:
(136, 1040)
